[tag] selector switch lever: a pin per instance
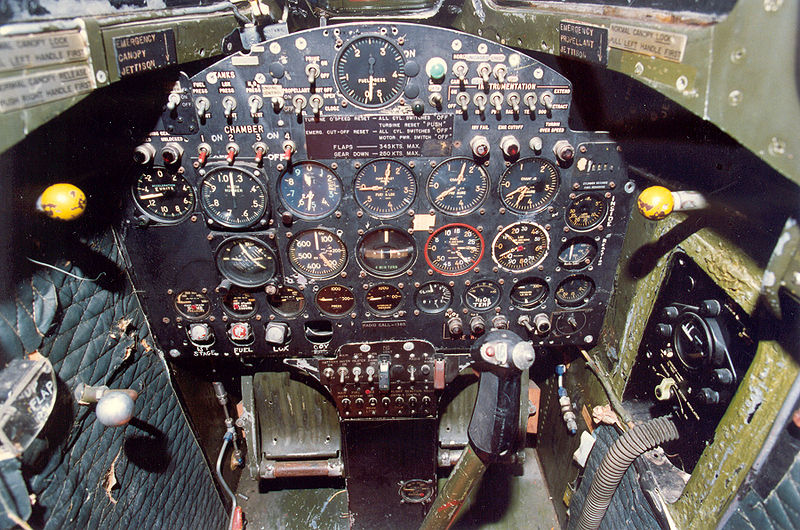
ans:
(312, 72)
(383, 373)
(229, 105)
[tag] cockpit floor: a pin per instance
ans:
(507, 497)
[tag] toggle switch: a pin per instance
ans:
(232, 149)
(255, 103)
(260, 149)
(383, 373)
(203, 150)
(202, 106)
(228, 105)
(463, 101)
(316, 103)
(312, 72)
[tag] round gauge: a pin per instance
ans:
(528, 293)
(482, 295)
(192, 304)
(335, 300)
(574, 291)
(370, 72)
(384, 298)
(386, 251)
(317, 253)
(163, 196)
(457, 186)
(385, 188)
(454, 249)
(245, 261)
(310, 190)
(577, 253)
(239, 302)
(586, 211)
(519, 247)
(433, 297)
(569, 322)
(529, 185)
(233, 197)
(287, 301)
(693, 340)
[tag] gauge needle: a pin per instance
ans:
(371, 85)
(233, 192)
(445, 193)
(250, 257)
(460, 177)
(364, 187)
(475, 296)
(507, 252)
(151, 196)
(307, 179)
(460, 255)
(328, 263)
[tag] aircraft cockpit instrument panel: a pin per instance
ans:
(380, 180)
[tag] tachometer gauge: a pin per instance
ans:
(482, 295)
(386, 251)
(433, 297)
(586, 211)
(384, 298)
(287, 301)
(529, 185)
(370, 72)
(335, 300)
(163, 196)
(245, 261)
(454, 249)
(239, 302)
(385, 188)
(310, 190)
(317, 253)
(192, 304)
(574, 291)
(528, 293)
(233, 197)
(457, 186)
(519, 247)
(577, 253)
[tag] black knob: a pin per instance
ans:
(671, 312)
(665, 330)
(710, 308)
(709, 396)
(723, 375)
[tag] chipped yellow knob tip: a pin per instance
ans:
(64, 202)
(656, 202)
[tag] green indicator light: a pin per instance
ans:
(436, 68)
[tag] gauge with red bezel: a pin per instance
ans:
(454, 249)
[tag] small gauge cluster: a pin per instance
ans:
(374, 181)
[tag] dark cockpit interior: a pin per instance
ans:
(378, 264)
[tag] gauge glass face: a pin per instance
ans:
(239, 302)
(577, 253)
(529, 185)
(335, 300)
(232, 197)
(192, 304)
(163, 196)
(482, 295)
(457, 186)
(384, 298)
(310, 190)
(317, 253)
(519, 247)
(385, 188)
(386, 252)
(574, 291)
(370, 72)
(692, 340)
(528, 293)
(433, 297)
(454, 249)
(586, 211)
(287, 301)
(245, 261)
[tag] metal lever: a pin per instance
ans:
(114, 406)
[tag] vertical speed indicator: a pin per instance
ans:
(370, 72)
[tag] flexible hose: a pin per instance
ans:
(225, 486)
(620, 456)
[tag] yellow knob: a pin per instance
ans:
(656, 202)
(64, 202)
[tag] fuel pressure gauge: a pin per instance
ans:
(370, 72)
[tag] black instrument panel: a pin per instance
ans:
(370, 182)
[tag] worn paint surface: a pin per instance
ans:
(728, 73)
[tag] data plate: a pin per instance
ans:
(370, 136)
